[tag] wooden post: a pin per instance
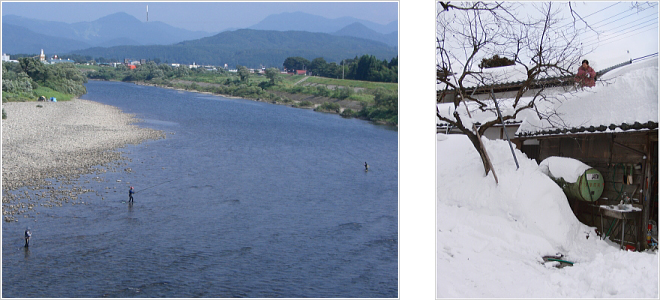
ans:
(646, 202)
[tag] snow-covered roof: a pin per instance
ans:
(623, 99)
(446, 110)
(502, 76)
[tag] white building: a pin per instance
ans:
(5, 57)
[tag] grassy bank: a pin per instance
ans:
(30, 79)
(374, 101)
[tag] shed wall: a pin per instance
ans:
(611, 153)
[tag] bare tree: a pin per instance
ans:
(534, 35)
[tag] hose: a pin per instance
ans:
(620, 192)
(560, 260)
(608, 231)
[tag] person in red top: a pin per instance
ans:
(586, 75)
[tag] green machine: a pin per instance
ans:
(588, 187)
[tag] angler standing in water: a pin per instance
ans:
(366, 166)
(28, 234)
(130, 194)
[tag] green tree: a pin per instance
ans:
(495, 61)
(296, 63)
(182, 71)
(243, 73)
(33, 68)
(273, 75)
(318, 66)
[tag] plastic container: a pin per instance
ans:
(588, 187)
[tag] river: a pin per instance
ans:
(242, 199)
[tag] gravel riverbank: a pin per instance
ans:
(62, 139)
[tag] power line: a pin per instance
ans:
(570, 23)
(595, 38)
(634, 20)
(600, 10)
(625, 31)
(632, 13)
(590, 37)
(623, 37)
(618, 37)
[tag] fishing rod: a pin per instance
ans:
(154, 186)
(353, 156)
(368, 166)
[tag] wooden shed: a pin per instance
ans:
(613, 129)
(628, 162)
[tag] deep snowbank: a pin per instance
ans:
(563, 167)
(491, 237)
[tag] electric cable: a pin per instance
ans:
(620, 29)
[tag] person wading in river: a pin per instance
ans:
(28, 235)
(130, 194)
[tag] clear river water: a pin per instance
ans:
(242, 199)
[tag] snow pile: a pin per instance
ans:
(491, 238)
(563, 167)
(500, 75)
(622, 207)
(625, 95)
(489, 112)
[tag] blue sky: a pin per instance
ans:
(205, 16)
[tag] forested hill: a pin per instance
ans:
(251, 48)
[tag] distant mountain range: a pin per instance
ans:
(16, 39)
(361, 31)
(252, 48)
(112, 30)
(345, 26)
(305, 35)
(299, 21)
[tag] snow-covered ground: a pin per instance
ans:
(491, 237)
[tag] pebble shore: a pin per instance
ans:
(62, 139)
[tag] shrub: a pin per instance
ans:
(322, 91)
(304, 104)
(348, 113)
(329, 107)
(342, 93)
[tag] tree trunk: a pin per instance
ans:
(485, 160)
